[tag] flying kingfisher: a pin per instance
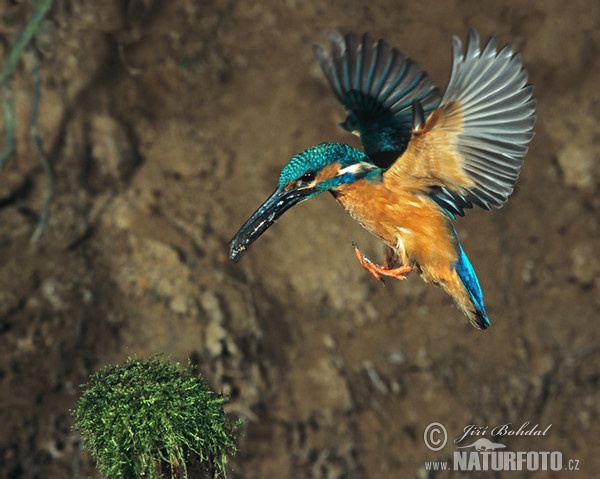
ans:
(426, 158)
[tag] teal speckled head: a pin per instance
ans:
(314, 160)
(324, 167)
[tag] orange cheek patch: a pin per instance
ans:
(328, 172)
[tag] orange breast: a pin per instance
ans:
(408, 222)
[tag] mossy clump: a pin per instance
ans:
(147, 418)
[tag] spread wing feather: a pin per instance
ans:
(377, 85)
(471, 147)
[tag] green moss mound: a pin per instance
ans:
(147, 418)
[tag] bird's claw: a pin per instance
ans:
(367, 263)
(378, 271)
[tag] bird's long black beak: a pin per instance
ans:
(277, 204)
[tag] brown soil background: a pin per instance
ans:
(167, 124)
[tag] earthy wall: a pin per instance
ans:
(167, 124)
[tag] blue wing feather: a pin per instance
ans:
(377, 85)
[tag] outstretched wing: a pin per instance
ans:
(471, 148)
(377, 85)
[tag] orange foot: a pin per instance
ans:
(381, 270)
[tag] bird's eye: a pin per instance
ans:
(308, 177)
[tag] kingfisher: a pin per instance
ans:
(426, 156)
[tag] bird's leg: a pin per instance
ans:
(387, 269)
(391, 258)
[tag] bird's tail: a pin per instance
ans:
(470, 304)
